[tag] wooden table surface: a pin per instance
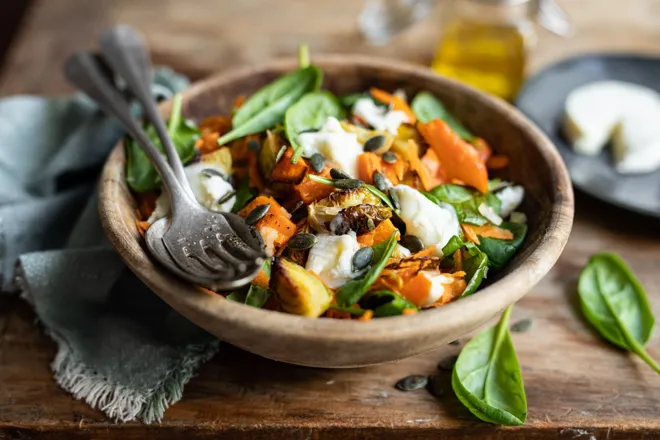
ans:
(577, 386)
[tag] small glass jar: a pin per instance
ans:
(485, 43)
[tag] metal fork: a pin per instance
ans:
(194, 232)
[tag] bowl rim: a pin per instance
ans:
(487, 303)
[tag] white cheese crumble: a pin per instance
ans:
(431, 223)
(333, 143)
(207, 190)
(438, 282)
(510, 198)
(331, 258)
(490, 214)
(378, 117)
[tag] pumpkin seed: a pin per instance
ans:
(395, 200)
(447, 363)
(210, 172)
(362, 258)
(348, 183)
(522, 326)
(253, 145)
(370, 224)
(298, 212)
(336, 173)
(412, 382)
(435, 387)
(302, 241)
(374, 143)
(317, 161)
(412, 243)
(380, 181)
(456, 342)
(280, 154)
(226, 197)
(389, 157)
(257, 214)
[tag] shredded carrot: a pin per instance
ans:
(394, 171)
(204, 290)
(417, 166)
(458, 159)
(239, 101)
(482, 148)
(366, 316)
(470, 233)
(408, 312)
(142, 227)
(428, 252)
(396, 102)
(458, 261)
(215, 124)
(261, 280)
(208, 143)
(497, 162)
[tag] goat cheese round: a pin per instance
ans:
(431, 223)
(333, 143)
(510, 199)
(380, 118)
(331, 258)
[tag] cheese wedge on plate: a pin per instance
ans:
(625, 113)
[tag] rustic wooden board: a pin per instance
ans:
(578, 387)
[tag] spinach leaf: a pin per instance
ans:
(141, 175)
(427, 108)
(310, 112)
(351, 292)
(475, 266)
(265, 109)
(487, 379)
(348, 101)
(258, 296)
(237, 296)
(465, 201)
(615, 303)
(243, 194)
(450, 193)
(501, 251)
(476, 269)
(385, 303)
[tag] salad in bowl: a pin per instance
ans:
(370, 205)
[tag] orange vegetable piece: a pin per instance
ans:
(368, 164)
(432, 164)
(416, 289)
(366, 316)
(309, 191)
(261, 279)
(497, 162)
(142, 227)
(380, 233)
(458, 159)
(395, 171)
(417, 166)
(205, 290)
(277, 218)
(337, 314)
(239, 101)
(146, 203)
(288, 172)
(215, 124)
(408, 312)
(482, 148)
(473, 232)
(208, 143)
(396, 102)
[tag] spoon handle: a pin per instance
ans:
(84, 71)
(125, 52)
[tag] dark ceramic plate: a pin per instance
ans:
(542, 99)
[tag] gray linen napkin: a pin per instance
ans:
(120, 348)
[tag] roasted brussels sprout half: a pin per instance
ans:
(299, 292)
(222, 159)
(360, 219)
(321, 213)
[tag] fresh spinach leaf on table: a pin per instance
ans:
(486, 377)
(614, 302)
(141, 175)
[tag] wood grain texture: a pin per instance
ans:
(578, 387)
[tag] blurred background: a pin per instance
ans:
(198, 37)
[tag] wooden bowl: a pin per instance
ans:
(534, 163)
